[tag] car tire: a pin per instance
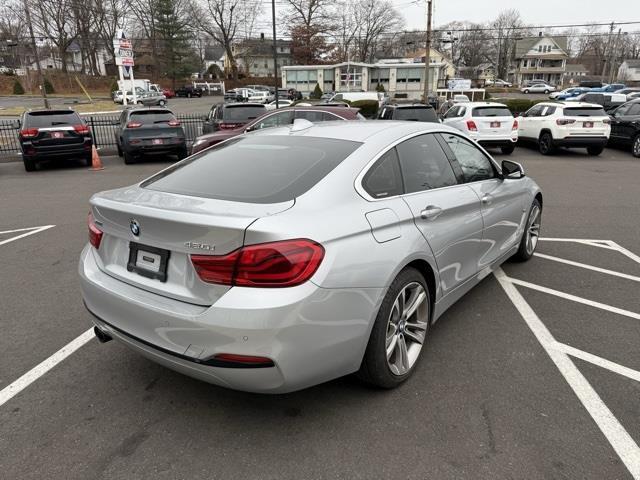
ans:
(29, 164)
(635, 146)
(546, 92)
(508, 149)
(119, 149)
(595, 150)
(88, 159)
(389, 333)
(526, 91)
(531, 234)
(162, 103)
(139, 103)
(182, 153)
(129, 159)
(545, 144)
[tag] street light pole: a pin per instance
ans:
(35, 54)
(275, 51)
(427, 53)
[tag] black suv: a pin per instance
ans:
(149, 131)
(415, 112)
(55, 135)
(625, 126)
(188, 91)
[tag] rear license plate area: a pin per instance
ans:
(587, 124)
(495, 124)
(157, 141)
(57, 134)
(150, 262)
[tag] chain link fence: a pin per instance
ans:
(103, 129)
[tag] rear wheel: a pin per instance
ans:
(508, 149)
(546, 92)
(545, 144)
(530, 236)
(635, 146)
(595, 150)
(162, 103)
(399, 331)
(29, 164)
(119, 149)
(88, 159)
(182, 153)
(129, 159)
(526, 91)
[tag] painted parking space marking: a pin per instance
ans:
(28, 231)
(588, 267)
(599, 361)
(620, 440)
(39, 370)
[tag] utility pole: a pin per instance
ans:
(275, 51)
(607, 52)
(427, 53)
(35, 54)
(612, 57)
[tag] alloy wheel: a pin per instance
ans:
(533, 229)
(407, 328)
(636, 146)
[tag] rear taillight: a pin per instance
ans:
(95, 234)
(471, 126)
(174, 123)
(81, 129)
(565, 121)
(515, 125)
(134, 124)
(248, 360)
(276, 264)
(29, 132)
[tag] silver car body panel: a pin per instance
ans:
(318, 330)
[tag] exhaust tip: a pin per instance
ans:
(102, 337)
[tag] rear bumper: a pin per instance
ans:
(503, 142)
(581, 142)
(311, 334)
(165, 148)
(56, 151)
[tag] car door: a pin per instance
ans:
(446, 213)
(629, 123)
(528, 124)
(501, 200)
(618, 119)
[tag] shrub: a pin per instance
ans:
(317, 92)
(519, 105)
(380, 88)
(48, 88)
(114, 86)
(368, 108)
(17, 88)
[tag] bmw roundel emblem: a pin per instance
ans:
(135, 227)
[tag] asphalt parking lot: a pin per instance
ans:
(535, 374)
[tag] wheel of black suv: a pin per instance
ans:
(635, 146)
(119, 149)
(129, 159)
(508, 149)
(545, 144)
(88, 159)
(594, 151)
(399, 331)
(29, 164)
(531, 234)
(182, 153)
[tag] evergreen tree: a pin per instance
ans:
(17, 88)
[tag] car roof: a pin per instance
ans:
(485, 104)
(243, 104)
(579, 104)
(410, 105)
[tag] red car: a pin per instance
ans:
(167, 92)
(278, 118)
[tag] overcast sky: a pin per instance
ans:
(539, 12)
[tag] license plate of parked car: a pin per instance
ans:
(157, 141)
(587, 124)
(495, 124)
(57, 134)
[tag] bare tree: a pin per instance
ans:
(52, 20)
(505, 30)
(374, 18)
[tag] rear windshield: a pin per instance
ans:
(255, 169)
(491, 112)
(417, 114)
(149, 117)
(242, 114)
(51, 119)
(585, 112)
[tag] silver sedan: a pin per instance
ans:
(291, 256)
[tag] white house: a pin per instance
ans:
(541, 58)
(405, 80)
(629, 71)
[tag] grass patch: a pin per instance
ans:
(99, 106)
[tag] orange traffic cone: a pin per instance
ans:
(96, 163)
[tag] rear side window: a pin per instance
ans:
(242, 114)
(255, 169)
(149, 117)
(52, 118)
(312, 116)
(585, 112)
(384, 178)
(424, 164)
(491, 112)
(418, 114)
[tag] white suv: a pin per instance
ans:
(489, 124)
(565, 124)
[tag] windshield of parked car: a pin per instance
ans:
(255, 169)
(242, 113)
(585, 112)
(51, 118)
(491, 112)
(149, 117)
(417, 114)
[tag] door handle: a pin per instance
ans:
(431, 212)
(487, 199)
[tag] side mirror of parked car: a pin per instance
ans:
(512, 170)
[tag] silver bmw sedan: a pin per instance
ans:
(294, 255)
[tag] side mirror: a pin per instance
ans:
(512, 170)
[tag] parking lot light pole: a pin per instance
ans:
(275, 51)
(27, 14)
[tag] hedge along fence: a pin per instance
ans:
(518, 105)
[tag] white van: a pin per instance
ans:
(355, 96)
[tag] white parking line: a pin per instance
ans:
(624, 251)
(626, 448)
(29, 231)
(574, 298)
(588, 267)
(599, 361)
(38, 371)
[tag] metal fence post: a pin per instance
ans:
(93, 131)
